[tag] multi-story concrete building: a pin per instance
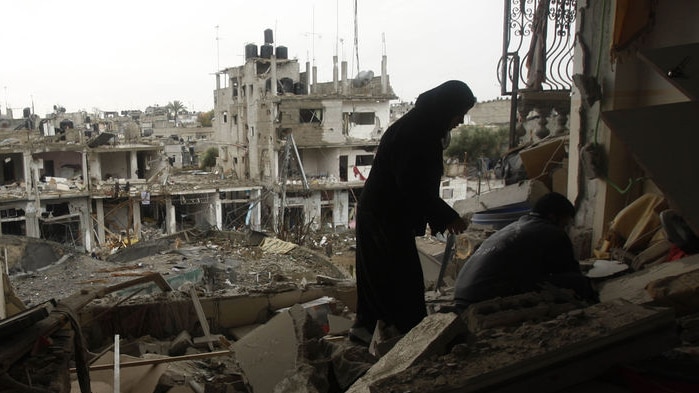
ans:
(88, 188)
(310, 144)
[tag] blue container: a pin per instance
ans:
(502, 216)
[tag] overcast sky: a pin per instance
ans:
(85, 54)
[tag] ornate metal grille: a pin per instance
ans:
(537, 52)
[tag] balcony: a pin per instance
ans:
(536, 66)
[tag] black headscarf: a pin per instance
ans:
(445, 101)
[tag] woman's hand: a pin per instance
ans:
(457, 226)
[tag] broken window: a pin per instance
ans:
(363, 118)
(310, 115)
(225, 117)
(364, 160)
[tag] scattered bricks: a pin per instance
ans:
(430, 338)
(179, 345)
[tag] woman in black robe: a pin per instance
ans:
(401, 196)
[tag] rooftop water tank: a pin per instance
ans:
(269, 36)
(250, 51)
(282, 52)
(266, 51)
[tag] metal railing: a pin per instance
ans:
(537, 51)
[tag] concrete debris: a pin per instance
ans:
(515, 310)
(276, 246)
(632, 287)
(270, 351)
(544, 357)
(429, 338)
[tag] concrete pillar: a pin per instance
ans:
(309, 77)
(256, 213)
(311, 210)
(218, 81)
(99, 211)
(336, 84)
(384, 76)
(315, 79)
(273, 75)
(133, 166)
(136, 208)
(86, 223)
(170, 217)
(216, 211)
(86, 174)
(27, 167)
(341, 209)
(343, 67)
(32, 221)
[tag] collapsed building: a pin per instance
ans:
(86, 190)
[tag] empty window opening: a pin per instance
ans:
(364, 160)
(363, 118)
(311, 115)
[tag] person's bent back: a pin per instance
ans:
(523, 255)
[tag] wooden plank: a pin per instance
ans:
(148, 362)
(150, 277)
(663, 140)
(202, 318)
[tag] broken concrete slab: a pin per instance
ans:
(528, 191)
(544, 357)
(141, 250)
(140, 379)
(179, 345)
(430, 337)
(338, 325)
(679, 292)
(270, 351)
(632, 287)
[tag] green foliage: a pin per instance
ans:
(205, 118)
(175, 108)
(473, 142)
(208, 160)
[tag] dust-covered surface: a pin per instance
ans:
(229, 263)
(497, 349)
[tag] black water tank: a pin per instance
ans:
(250, 51)
(266, 51)
(269, 36)
(26, 112)
(282, 52)
(300, 88)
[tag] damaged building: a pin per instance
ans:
(310, 143)
(92, 188)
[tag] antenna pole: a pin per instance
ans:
(218, 52)
(356, 35)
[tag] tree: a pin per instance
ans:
(174, 108)
(474, 142)
(205, 118)
(208, 160)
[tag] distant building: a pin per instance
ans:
(310, 144)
